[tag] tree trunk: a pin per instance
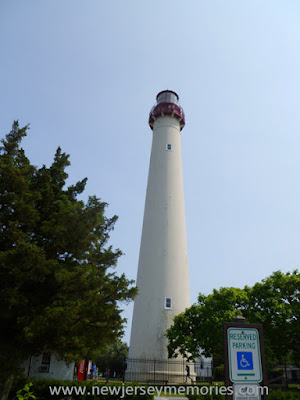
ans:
(7, 387)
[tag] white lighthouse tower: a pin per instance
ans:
(162, 280)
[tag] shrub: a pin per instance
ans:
(219, 372)
(282, 395)
(273, 395)
(82, 390)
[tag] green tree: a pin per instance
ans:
(199, 330)
(58, 289)
(274, 302)
(113, 357)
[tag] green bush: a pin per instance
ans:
(18, 384)
(282, 395)
(273, 395)
(26, 393)
(219, 372)
(41, 389)
(208, 396)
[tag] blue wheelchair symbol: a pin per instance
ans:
(244, 360)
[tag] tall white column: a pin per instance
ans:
(162, 280)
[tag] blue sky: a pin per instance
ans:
(85, 74)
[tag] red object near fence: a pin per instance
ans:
(81, 370)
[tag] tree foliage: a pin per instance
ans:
(274, 302)
(58, 289)
(113, 358)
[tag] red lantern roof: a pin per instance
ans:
(167, 104)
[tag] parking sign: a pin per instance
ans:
(244, 355)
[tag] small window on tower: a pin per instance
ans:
(168, 303)
(169, 147)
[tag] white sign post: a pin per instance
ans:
(244, 355)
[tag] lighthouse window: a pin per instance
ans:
(169, 147)
(168, 303)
